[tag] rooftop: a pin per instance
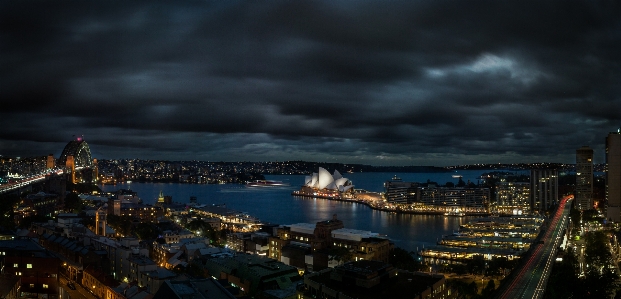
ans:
(404, 285)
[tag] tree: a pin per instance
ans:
(403, 259)
(146, 231)
(489, 289)
(195, 270)
(73, 203)
(121, 224)
(27, 221)
(88, 221)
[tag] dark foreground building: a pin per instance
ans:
(373, 279)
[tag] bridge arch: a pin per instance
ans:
(81, 154)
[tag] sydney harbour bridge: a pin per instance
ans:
(75, 162)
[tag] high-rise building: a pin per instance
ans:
(543, 189)
(613, 175)
(584, 178)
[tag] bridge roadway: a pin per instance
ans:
(530, 281)
(4, 188)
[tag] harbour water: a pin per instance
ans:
(276, 205)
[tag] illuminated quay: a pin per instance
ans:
(488, 237)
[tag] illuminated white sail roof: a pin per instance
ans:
(324, 180)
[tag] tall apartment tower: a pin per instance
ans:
(584, 178)
(613, 175)
(543, 189)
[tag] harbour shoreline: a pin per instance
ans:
(365, 202)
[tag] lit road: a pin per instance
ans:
(28, 180)
(530, 280)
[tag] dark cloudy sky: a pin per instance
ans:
(373, 82)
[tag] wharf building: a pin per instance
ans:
(543, 189)
(489, 238)
(613, 175)
(322, 184)
(315, 246)
(584, 178)
(228, 219)
(373, 279)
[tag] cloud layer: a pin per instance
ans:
(373, 82)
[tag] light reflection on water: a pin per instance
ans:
(276, 205)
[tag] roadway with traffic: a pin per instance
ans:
(4, 188)
(530, 281)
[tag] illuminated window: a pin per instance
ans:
(45, 286)
(29, 266)
(15, 266)
(32, 285)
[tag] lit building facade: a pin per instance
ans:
(397, 191)
(543, 189)
(513, 196)
(584, 178)
(613, 175)
(469, 199)
(37, 268)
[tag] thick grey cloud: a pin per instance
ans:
(374, 82)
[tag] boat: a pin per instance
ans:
(266, 183)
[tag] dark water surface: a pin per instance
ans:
(276, 205)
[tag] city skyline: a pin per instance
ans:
(375, 83)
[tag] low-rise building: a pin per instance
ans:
(372, 279)
(314, 246)
(192, 289)
(37, 268)
(9, 286)
(252, 273)
(174, 236)
(98, 281)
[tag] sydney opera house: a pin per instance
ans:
(322, 184)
